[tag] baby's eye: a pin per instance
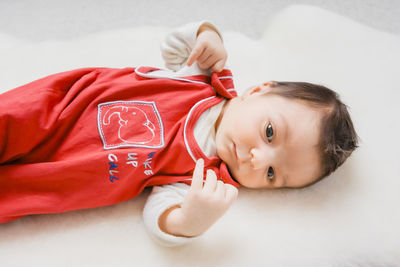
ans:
(269, 132)
(270, 173)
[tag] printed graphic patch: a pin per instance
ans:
(130, 124)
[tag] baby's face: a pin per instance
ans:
(269, 141)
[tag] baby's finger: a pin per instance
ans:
(231, 193)
(205, 64)
(197, 179)
(205, 55)
(220, 188)
(208, 62)
(219, 66)
(211, 181)
(196, 52)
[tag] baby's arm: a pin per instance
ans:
(202, 206)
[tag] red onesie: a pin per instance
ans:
(97, 136)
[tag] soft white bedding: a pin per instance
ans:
(351, 218)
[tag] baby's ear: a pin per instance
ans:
(261, 88)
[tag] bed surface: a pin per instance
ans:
(352, 218)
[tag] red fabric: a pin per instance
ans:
(97, 136)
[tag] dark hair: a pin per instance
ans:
(338, 138)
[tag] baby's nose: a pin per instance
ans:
(258, 158)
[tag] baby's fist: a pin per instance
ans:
(209, 51)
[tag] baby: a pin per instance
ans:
(97, 136)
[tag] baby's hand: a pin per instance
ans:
(202, 207)
(209, 50)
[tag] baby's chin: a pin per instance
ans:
(232, 173)
(240, 178)
(226, 157)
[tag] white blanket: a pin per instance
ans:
(352, 218)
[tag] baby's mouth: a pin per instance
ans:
(229, 167)
(236, 154)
